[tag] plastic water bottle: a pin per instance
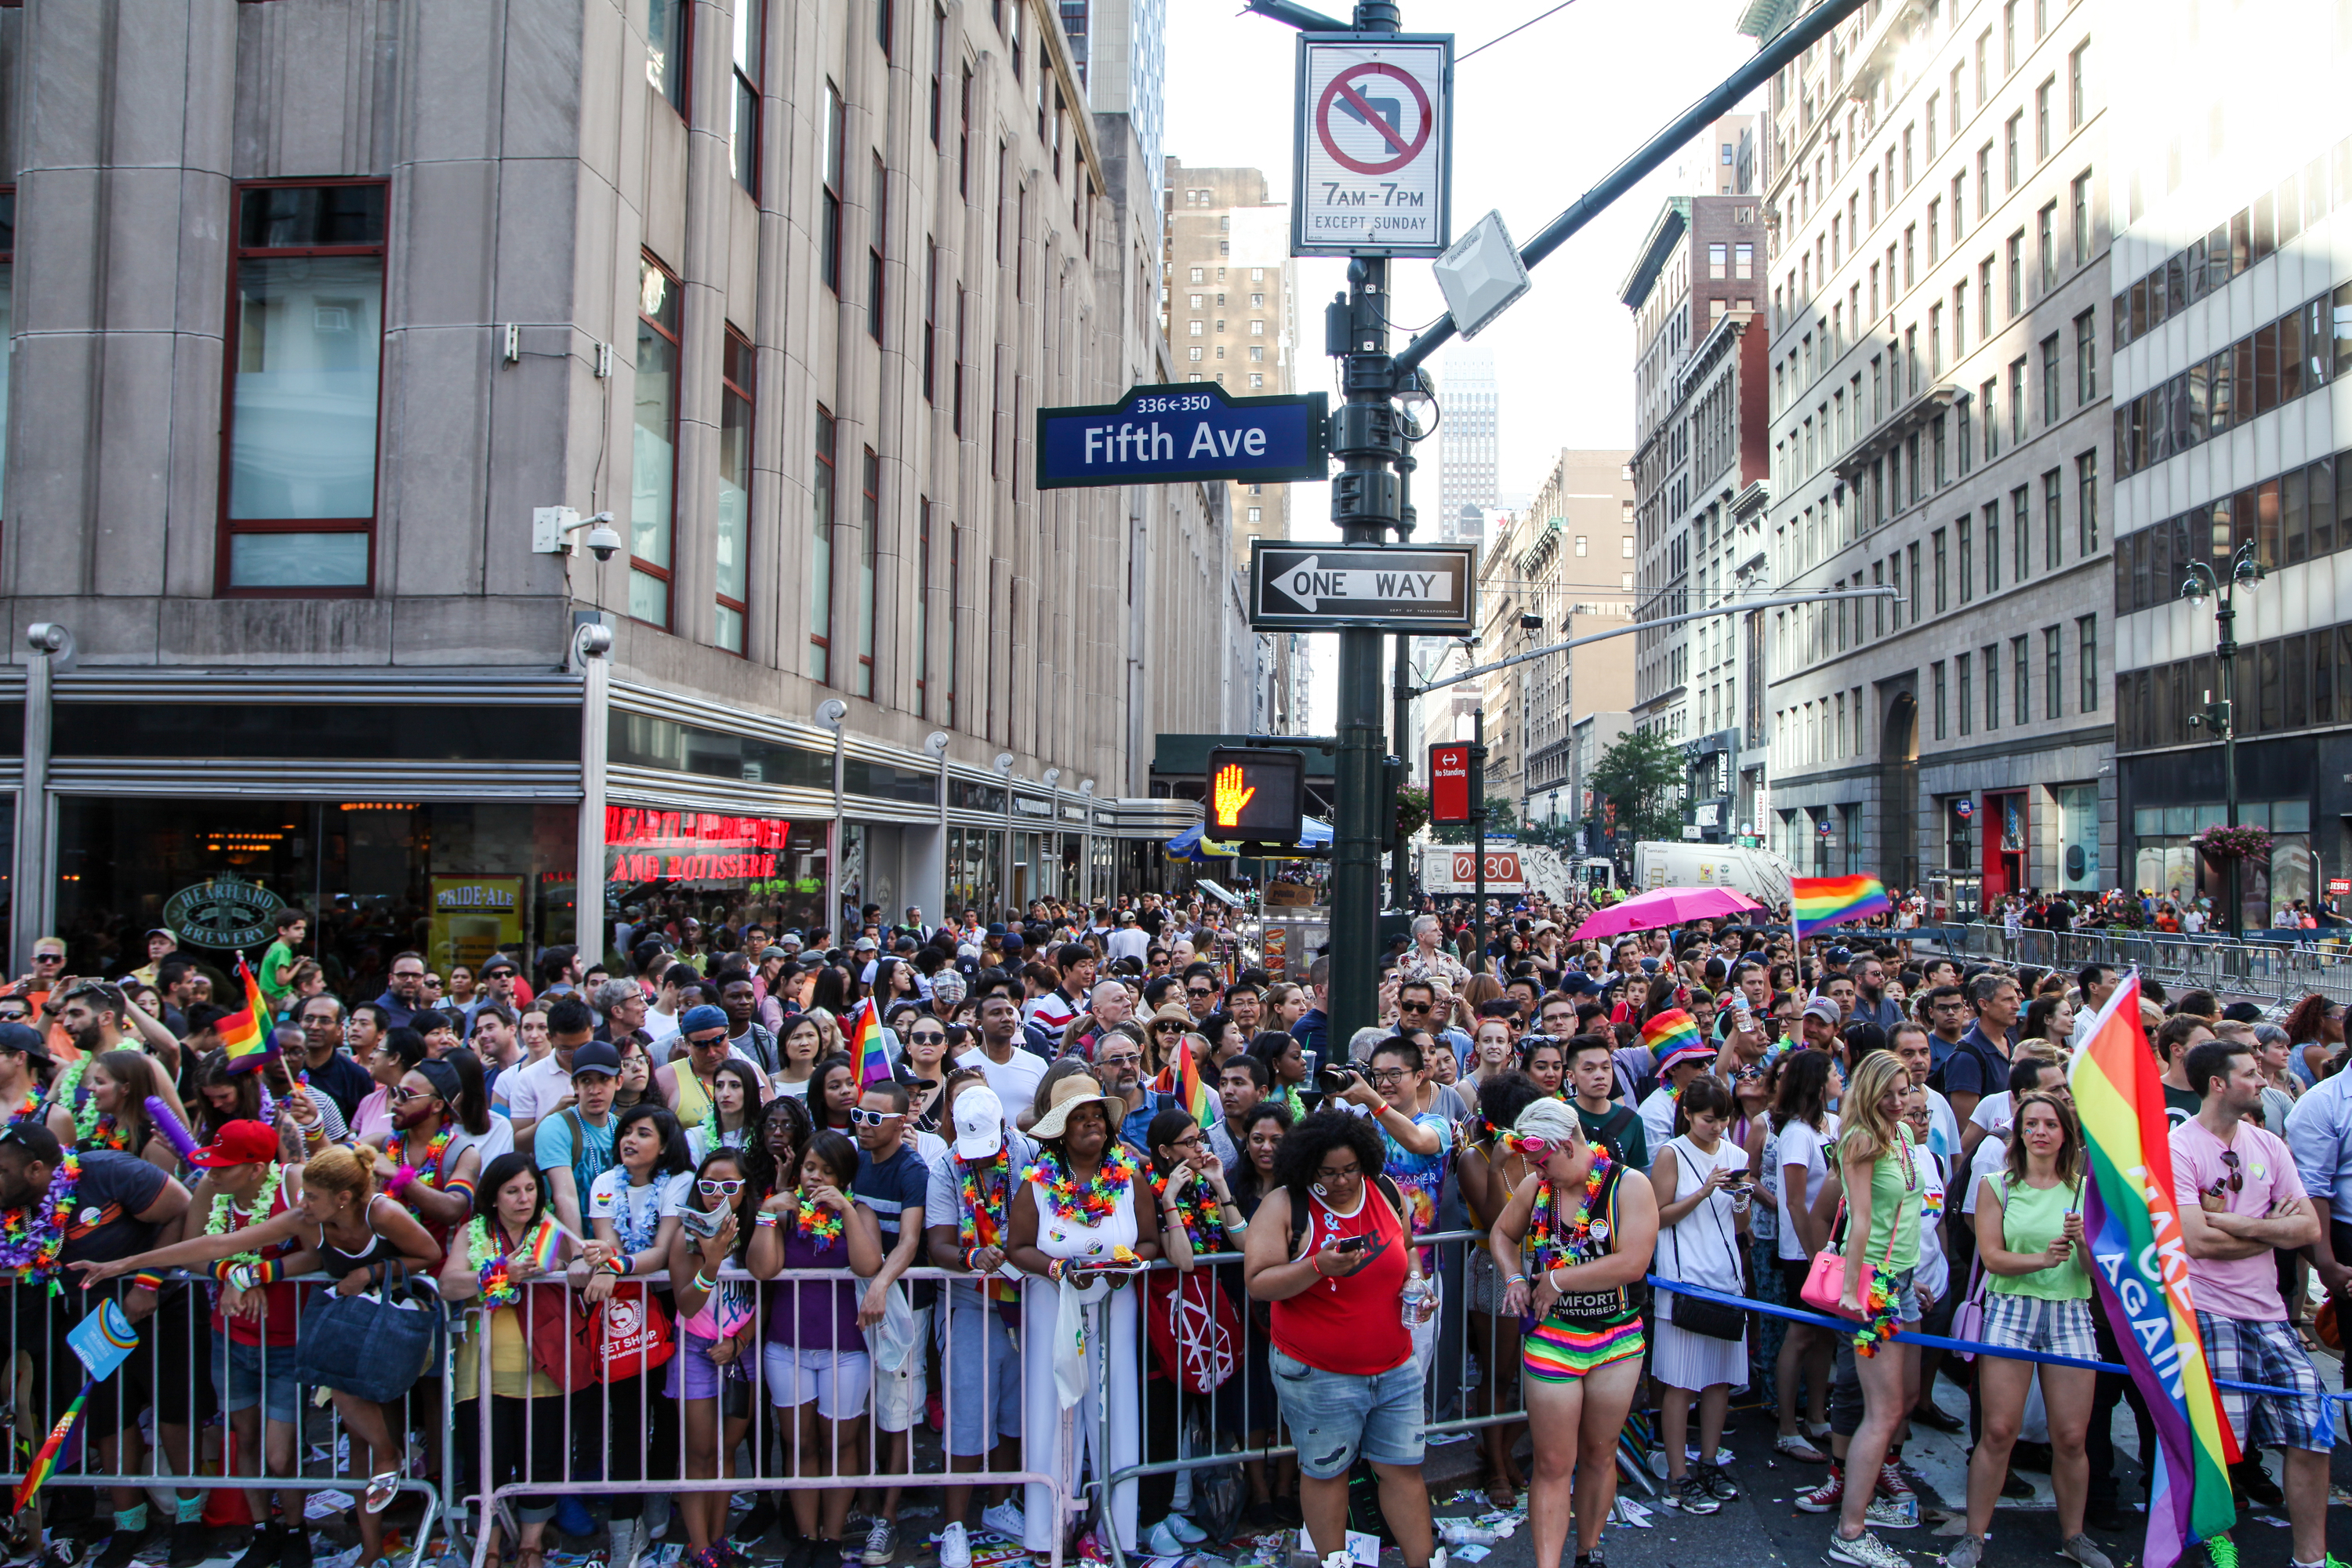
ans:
(1417, 1294)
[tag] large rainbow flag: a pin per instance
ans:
(866, 1052)
(2140, 1266)
(246, 1035)
(1818, 903)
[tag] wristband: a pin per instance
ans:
(1516, 1280)
(143, 1281)
(1053, 1271)
(766, 1219)
(619, 1269)
(704, 1282)
(970, 1259)
(239, 1277)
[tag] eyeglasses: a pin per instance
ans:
(1192, 1141)
(861, 1117)
(1123, 1060)
(1380, 1076)
(928, 1037)
(1345, 1173)
(711, 1189)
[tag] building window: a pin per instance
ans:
(7, 315)
(2086, 501)
(2041, 119)
(2020, 533)
(819, 667)
(743, 134)
(307, 287)
(2086, 639)
(963, 135)
(870, 521)
(1941, 578)
(653, 463)
(669, 38)
(2052, 685)
(957, 369)
(1936, 698)
(1914, 553)
(1967, 561)
(2081, 190)
(2076, 103)
(2050, 379)
(2016, 273)
(883, 18)
(939, 66)
(879, 198)
(2086, 358)
(930, 320)
(1968, 695)
(2017, 401)
(2050, 520)
(955, 615)
(1993, 548)
(833, 130)
(2020, 679)
(921, 605)
(734, 490)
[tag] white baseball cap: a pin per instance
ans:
(978, 1123)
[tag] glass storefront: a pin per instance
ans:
(451, 881)
(974, 856)
(2164, 863)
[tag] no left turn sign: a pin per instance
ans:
(1374, 145)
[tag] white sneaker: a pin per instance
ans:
(1187, 1532)
(628, 1541)
(1164, 1541)
(1006, 1520)
(955, 1547)
(1337, 1560)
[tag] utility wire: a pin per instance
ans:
(1522, 27)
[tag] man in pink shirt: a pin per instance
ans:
(2240, 1202)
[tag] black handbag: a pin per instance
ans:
(1698, 1315)
(374, 1345)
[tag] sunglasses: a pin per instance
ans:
(2236, 1180)
(1167, 1028)
(861, 1117)
(1190, 991)
(1536, 1149)
(48, 958)
(711, 1189)
(404, 1094)
(928, 1037)
(1415, 1006)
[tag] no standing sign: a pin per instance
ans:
(1374, 137)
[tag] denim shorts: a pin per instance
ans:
(1332, 1416)
(239, 1381)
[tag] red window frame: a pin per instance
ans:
(225, 529)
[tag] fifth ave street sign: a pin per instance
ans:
(1322, 587)
(1160, 434)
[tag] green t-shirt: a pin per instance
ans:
(1894, 1203)
(1629, 1145)
(2030, 1218)
(277, 996)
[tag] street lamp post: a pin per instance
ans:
(2245, 571)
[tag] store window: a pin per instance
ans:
(306, 326)
(719, 868)
(452, 881)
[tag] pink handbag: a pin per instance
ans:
(1825, 1280)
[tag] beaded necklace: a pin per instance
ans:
(1583, 1237)
(1197, 1207)
(30, 1244)
(226, 1216)
(818, 1223)
(1095, 1203)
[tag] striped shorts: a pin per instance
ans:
(1553, 1351)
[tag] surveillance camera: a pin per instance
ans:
(602, 542)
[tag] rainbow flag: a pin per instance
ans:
(246, 1035)
(1817, 902)
(1181, 1078)
(543, 1245)
(1670, 1031)
(45, 1461)
(2140, 1266)
(865, 1049)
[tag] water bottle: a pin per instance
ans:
(1417, 1294)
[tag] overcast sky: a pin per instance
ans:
(1536, 121)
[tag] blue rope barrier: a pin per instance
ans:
(1940, 1341)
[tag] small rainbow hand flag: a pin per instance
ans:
(1671, 1031)
(1190, 1090)
(45, 1461)
(545, 1242)
(246, 1035)
(866, 1049)
(1818, 903)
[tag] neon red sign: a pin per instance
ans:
(647, 846)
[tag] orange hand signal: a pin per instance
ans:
(1230, 795)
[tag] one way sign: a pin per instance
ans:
(1320, 588)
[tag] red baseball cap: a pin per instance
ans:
(237, 1143)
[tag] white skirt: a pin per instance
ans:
(1680, 1359)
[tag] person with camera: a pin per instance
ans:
(1591, 1226)
(1331, 1249)
(1703, 1199)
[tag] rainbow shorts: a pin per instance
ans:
(1553, 1351)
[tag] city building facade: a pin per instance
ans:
(773, 288)
(2229, 328)
(1938, 310)
(1574, 566)
(1468, 429)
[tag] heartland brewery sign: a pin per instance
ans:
(646, 846)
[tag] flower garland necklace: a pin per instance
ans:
(489, 1263)
(1197, 1207)
(93, 1129)
(818, 1223)
(225, 1214)
(428, 1169)
(980, 1219)
(1878, 1302)
(31, 1246)
(1098, 1199)
(29, 1111)
(1582, 1237)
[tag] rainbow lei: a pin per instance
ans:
(1555, 1245)
(1878, 1301)
(428, 1169)
(818, 1223)
(30, 1245)
(499, 1289)
(1198, 1209)
(29, 1111)
(979, 1221)
(1096, 1200)
(93, 1129)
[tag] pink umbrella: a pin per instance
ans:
(1662, 907)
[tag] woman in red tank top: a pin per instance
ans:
(1332, 1249)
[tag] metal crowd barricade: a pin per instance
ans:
(598, 1423)
(163, 1400)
